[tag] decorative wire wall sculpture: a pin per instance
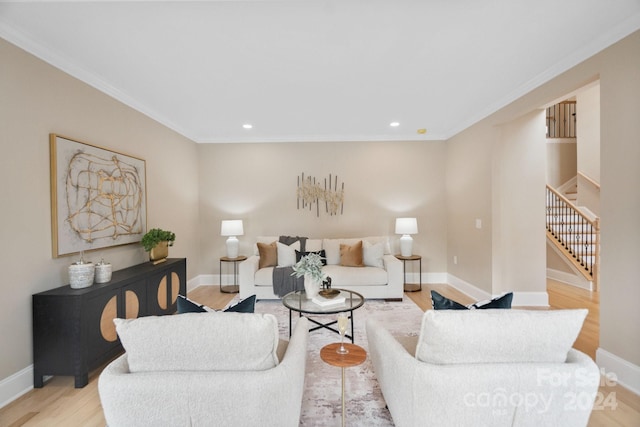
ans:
(312, 192)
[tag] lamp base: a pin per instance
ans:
(406, 245)
(232, 247)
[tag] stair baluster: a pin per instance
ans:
(573, 233)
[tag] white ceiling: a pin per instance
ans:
(305, 70)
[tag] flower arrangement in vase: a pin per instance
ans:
(310, 266)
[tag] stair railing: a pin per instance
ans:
(576, 235)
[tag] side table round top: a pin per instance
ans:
(408, 258)
(238, 258)
(356, 355)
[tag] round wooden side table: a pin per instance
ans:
(231, 289)
(356, 356)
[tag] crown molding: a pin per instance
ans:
(68, 66)
(629, 26)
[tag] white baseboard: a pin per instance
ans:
(202, 280)
(214, 279)
(520, 299)
(427, 278)
(569, 279)
(209, 280)
(16, 385)
(467, 288)
(619, 370)
(530, 299)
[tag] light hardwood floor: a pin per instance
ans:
(58, 403)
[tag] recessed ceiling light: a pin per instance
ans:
(247, 126)
(422, 131)
(394, 124)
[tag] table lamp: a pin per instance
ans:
(406, 227)
(232, 228)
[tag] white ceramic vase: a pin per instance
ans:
(103, 272)
(81, 274)
(311, 286)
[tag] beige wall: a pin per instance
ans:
(588, 116)
(588, 128)
(35, 100)
(617, 68)
(469, 195)
(496, 174)
(557, 262)
(382, 180)
(562, 161)
(588, 195)
(519, 248)
(620, 198)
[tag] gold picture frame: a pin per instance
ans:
(98, 197)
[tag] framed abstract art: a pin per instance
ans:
(98, 197)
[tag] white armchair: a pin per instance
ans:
(486, 368)
(197, 369)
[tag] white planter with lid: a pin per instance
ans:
(103, 272)
(81, 274)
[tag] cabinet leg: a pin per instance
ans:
(81, 380)
(38, 380)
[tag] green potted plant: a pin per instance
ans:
(157, 241)
(310, 266)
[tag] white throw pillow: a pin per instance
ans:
(313, 245)
(380, 239)
(372, 254)
(498, 336)
(332, 251)
(287, 254)
(200, 342)
(332, 248)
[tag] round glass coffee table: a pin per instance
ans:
(298, 301)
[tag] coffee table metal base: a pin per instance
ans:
(307, 307)
(323, 325)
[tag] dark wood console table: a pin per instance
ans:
(73, 330)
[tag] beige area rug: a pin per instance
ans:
(365, 405)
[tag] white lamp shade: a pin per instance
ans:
(231, 227)
(406, 226)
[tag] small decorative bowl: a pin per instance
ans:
(329, 293)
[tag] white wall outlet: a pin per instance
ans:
(478, 223)
(455, 259)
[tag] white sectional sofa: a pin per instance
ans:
(382, 277)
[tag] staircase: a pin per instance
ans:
(576, 235)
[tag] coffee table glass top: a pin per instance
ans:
(298, 301)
